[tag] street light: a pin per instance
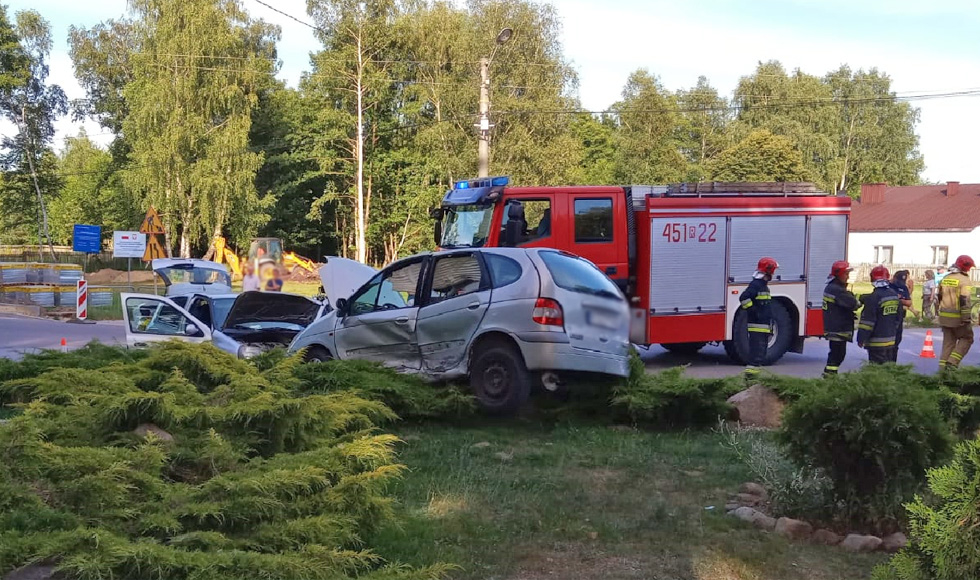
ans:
(484, 126)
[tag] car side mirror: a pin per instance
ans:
(192, 330)
(437, 233)
(341, 307)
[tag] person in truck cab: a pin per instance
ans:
(878, 328)
(839, 307)
(756, 301)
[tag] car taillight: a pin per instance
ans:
(548, 312)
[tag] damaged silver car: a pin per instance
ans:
(502, 317)
(199, 307)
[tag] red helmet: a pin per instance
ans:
(839, 267)
(880, 273)
(767, 266)
(964, 263)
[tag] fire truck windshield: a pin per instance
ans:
(466, 226)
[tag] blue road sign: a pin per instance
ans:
(87, 239)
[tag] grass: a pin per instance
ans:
(581, 501)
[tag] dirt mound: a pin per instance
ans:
(111, 277)
(300, 275)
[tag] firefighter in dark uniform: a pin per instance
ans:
(878, 328)
(756, 301)
(839, 307)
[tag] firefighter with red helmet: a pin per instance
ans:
(757, 303)
(839, 307)
(878, 327)
(954, 313)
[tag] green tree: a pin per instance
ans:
(704, 122)
(648, 144)
(194, 86)
(597, 136)
(761, 156)
(93, 191)
(31, 105)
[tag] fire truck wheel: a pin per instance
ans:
(782, 338)
(684, 347)
(500, 381)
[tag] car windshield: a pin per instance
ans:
(577, 275)
(466, 226)
(221, 307)
(188, 274)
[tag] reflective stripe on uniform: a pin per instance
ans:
(950, 314)
(763, 296)
(829, 298)
(758, 327)
(882, 342)
(839, 335)
(956, 355)
(747, 303)
(865, 326)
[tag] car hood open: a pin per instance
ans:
(341, 277)
(252, 307)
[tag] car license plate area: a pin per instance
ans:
(601, 319)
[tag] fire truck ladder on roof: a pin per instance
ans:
(743, 189)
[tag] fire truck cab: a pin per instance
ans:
(682, 253)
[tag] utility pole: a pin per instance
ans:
(484, 126)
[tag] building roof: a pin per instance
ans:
(947, 207)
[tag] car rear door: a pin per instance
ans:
(596, 315)
(150, 318)
(380, 319)
(457, 296)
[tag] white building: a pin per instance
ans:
(921, 225)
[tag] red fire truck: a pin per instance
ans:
(682, 253)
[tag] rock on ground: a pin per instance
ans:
(754, 489)
(754, 517)
(147, 428)
(894, 542)
(748, 499)
(793, 529)
(481, 445)
(34, 572)
(825, 537)
(859, 543)
(758, 406)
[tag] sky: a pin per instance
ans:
(926, 46)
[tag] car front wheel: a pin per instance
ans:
(499, 379)
(317, 354)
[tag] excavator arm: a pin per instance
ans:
(292, 261)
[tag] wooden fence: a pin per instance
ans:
(65, 255)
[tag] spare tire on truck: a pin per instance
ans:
(779, 342)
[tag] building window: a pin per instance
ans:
(593, 220)
(883, 254)
(940, 255)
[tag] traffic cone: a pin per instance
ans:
(64, 345)
(927, 350)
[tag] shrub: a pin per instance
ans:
(669, 399)
(794, 491)
(875, 437)
(945, 532)
(250, 478)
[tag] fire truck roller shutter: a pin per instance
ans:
(680, 245)
(828, 243)
(781, 237)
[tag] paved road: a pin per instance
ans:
(21, 334)
(712, 362)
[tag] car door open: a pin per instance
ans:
(150, 318)
(380, 319)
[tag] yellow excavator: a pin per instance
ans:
(265, 254)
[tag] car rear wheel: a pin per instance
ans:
(317, 354)
(499, 379)
(779, 341)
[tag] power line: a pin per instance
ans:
(290, 16)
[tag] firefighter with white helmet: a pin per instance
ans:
(878, 327)
(757, 303)
(839, 307)
(954, 313)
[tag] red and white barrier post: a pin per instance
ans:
(81, 300)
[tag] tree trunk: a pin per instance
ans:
(361, 222)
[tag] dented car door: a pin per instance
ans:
(457, 296)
